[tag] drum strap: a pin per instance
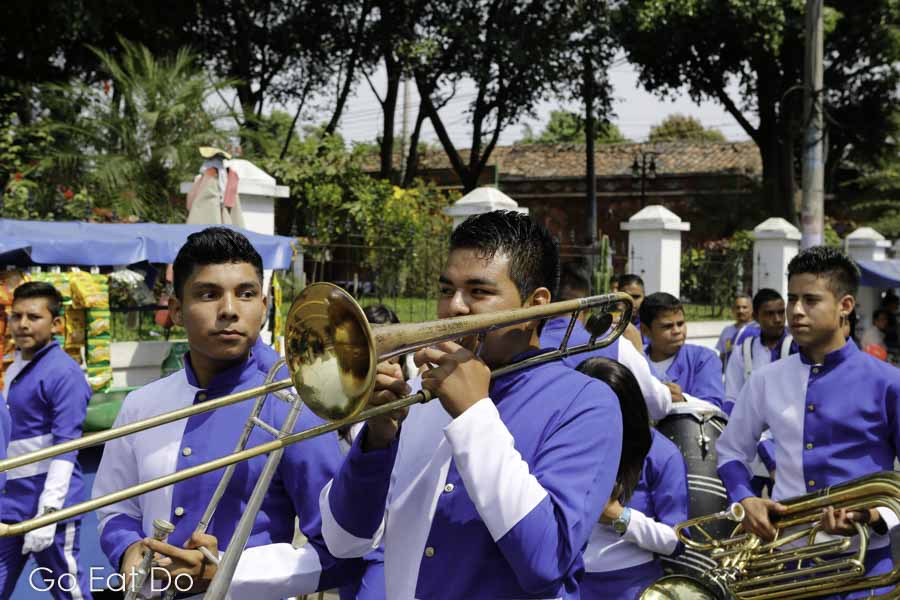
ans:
(747, 350)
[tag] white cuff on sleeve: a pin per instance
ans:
(650, 535)
(276, 571)
(497, 480)
(57, 484)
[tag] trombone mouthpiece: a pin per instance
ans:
(735, 512)
(162, 529)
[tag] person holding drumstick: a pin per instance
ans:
(491, 490)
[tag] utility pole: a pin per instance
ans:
(590, 132)
(404, 130)
(812, 212)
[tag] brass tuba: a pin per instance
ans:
(795, 564)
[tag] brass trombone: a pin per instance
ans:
(794, 564)
(331, 354)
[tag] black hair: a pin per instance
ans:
(880, 311)
(825, 261)
(532, 250)
(213, 246)
(762, 296)
(636, 438)
(379, 314)
(629, 278)
(40, 289)
(656, 304)
(575, 276)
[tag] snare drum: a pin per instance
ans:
(694, 427)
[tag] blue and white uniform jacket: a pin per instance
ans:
(658, 503)
(736, 376)
(830, 423)
(5, 428)
(698, 371)
(47, 403)
(270, 567)
(657, 396)
(497, 503)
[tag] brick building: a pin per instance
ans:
(712, 185)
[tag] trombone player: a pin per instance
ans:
(220, 302)
(491, 492)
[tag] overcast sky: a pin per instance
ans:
(635, 112)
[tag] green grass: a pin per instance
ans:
(409, 310)
(705, 312)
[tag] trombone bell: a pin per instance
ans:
(330, 351)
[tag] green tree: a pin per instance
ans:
(758, 45)
(132, 148)
(514, 54)
(568, 127)
(678, 127)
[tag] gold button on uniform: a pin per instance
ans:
(815, 370)
(811, 483)
(448, 488)
(811, 407)
(179, 511)
(809, 446)
(186, 451)
(429, 551)
(201, 397)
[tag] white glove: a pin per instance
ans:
(39, 539)
(54, 496)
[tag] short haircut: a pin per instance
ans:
(636, 437)
(379, 314)
(40, 289)
(628, 279)
(532, 250)
(575, 276)
(740, 296)
(764, 295)
(824, 261)
(657, 304)
(213, 246)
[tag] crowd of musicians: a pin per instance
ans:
(544, 482)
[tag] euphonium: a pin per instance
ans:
(794, 564)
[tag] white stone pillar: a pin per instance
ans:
(654, 248)
(775, 243)
(867, 244)
(479, 201)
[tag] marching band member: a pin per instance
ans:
(633, 285)
(574, 284)
(219, 301)
(742, 310)
(833, 411)
(47, 395)
(690, 371)
(5, 428)
(621, 559)
(772, 342)
(492, 490)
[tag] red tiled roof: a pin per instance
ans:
(567, 160)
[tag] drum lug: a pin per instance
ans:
(703, 440)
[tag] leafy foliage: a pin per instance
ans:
(678, 127)
(758, 46)
(711, 274)
(568, 127)
(136, 139)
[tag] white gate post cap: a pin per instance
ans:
(776, 228)
(866, 237)
(482, 200)
(656, 217)
(252, 181)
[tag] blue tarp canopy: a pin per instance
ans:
(109, 244)
(880, 273)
